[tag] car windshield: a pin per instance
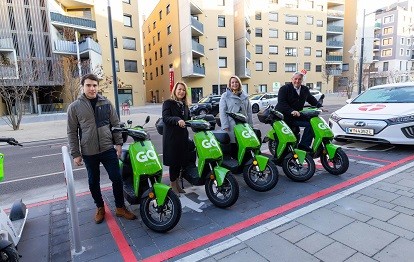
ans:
(255, 97)
(403, 94)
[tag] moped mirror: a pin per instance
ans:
(147, 119)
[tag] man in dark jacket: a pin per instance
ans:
(290, 101)
(90, 118)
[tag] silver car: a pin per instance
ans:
(261, 100)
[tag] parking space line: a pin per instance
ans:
(370, 158)
(197, 243)
(365, 163)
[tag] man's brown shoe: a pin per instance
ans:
(125, 213)
(100, 215)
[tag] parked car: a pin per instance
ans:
(318, 95)
(261, 100)
(206, 105)
(381, 114)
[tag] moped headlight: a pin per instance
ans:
(334, 117)
(400, 120)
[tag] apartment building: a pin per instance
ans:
(263, 42)
(47, 30)
(392, 45)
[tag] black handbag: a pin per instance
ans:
(159, 125)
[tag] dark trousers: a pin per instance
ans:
(174, 172)
(308, 135)
(109, 160)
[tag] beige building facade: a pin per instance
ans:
(263, 42)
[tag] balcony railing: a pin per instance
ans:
(6, 43)
(335, 28)
(335, 13)
(376, 46)
(375, 58)
(248, 55)
(8, 72)
(334, 58)
(197, 47)
(198, 69)
(73, 21)
(197, 25)
(335, 43)
(248, 72)
(248, 38)
(335, 72)
(68, 47)
(377, 35)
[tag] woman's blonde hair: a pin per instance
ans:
(238, 80)
(174, 97)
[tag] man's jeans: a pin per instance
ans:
(109, 159)
(308, 135)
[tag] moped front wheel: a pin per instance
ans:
(9, 254)
(161, 218)
(336, 166)
(296, 171)
(261, 180)
(225, 195)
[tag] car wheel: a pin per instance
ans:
(202, 112)
(255, 108)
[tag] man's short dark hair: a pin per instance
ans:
(90, 77)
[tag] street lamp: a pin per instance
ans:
(111, 41)
(361, 55)
(218, 64)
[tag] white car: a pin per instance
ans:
(261, 100)
(381, 114)
(318, 95)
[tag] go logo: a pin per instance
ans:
(248, 133)
(209, 143)
(322, 126)
(144, 156)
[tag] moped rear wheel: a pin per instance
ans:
(261, 181)
(225, 195)
(336, 166)
(161, 218)
(9, 254)
(298, 172)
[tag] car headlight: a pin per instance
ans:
(400, 120)
(194, 107)
(334, 117)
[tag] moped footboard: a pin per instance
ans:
(331, 149)
(301, 155)
(219, 174)
(159, 191)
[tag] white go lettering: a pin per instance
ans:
(144, 156)
(209, 143)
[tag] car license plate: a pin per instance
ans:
(360, 131)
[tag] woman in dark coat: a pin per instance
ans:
(175, 134)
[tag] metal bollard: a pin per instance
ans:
(67, 162)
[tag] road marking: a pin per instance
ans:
(49, 145)
(38, 176)
(46, 155)
(238, 239)
(370, 158)
(197, 243)
(365, 163)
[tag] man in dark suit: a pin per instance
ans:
(291, 99)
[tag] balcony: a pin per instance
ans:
(334, 58)
(335, 72)
(9, 72)
(375, 58)
(194, 9)
(335, 44)
(68, 47)
(248, 55)
(6, 44)
(245, 74)
(335, 29)
(376, 47)
(247, 19)
(377, 25)
(197, 48)
(248, 38)
(81, 24)
(377, 36)
(197, 28)
(335, 14)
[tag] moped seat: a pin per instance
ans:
(222, 136)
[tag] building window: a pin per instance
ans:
(318, 68)
(128, 20)
(388, 19)
(168, 9)
(222, 40)
(385, 66)
(308, 35)
(345, 67)
(273, 50)
(319, 38)
(160, 52)
(154, 25)
(258, 16)
(156, 55)
(116, 43)
(387, 41)
(386, 52)
(168, 29)
(160, 14)
(162, 69)
(149, 46)
(290, 67)
(130, 66)
(156, 71)
(127, 1)
(407, 52)
(221, 2)
(290, 51)
(272, 67)
(129, 43)
(153, 40)
(307, 51)
(291, 35)
(273, 16)
(150, 61)
(319, 85)
(402, 40)
(259, 49)
(223, 62)
(309, 20)
(258, 32)
(117, 65)
(221, 21)
(291, 19)
(151, 76)
(273, 33)
(388, 30)
(319, 23)
(401, 51)
(145, 62)
(259, 66)
(169, 49)
(159, 36)
(307, 66)
(318, 53)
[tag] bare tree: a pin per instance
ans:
(106, 81)
(71, 76)
(327, 73)
(352, 82)
(14, 86)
